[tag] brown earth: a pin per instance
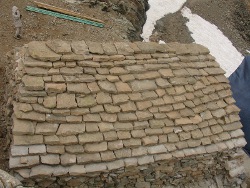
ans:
(231, 16)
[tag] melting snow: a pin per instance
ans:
(203, 32)
(207, 34)
(157, 10)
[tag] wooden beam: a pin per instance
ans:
(65, 11)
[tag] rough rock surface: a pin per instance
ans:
(142, 112)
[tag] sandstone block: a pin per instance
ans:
(122, 87)
(27, 161)
(68, 140)
(108, 117)
(104, 126)
(123, 134)
(78, 88)
(33, 83)
(37, 149)
(67, 159)
(55, 149)
(87, 101)
(144, 115)
(79, 47)
(124, 117)
(55, 88)
(119, 99)
(51, 159)
(27, 140)
(138, 133)
(71, 71)
(130, 162)
(150, 140)
(144, 85)
(109, 48)
(88, 158)
(39, 50)
(65, 100)
(46, 128)
(59, 46)
(163, 157)
(128, 107)
(77, 170)
(23, 127)
(103, 98)
(51, 140)
(110, 136)
(145, 160)
(123, 153)
(123, 48)
(73, 149)
(107, 86)
(49, 101)
(95, 167)
(95, 48)
(91, 118)
(19, 150)
(90, 137)
(96, 147)
(108, 156)
(141, 125)
(70, 129)
(139, 151)
(115, 164)
(115, 145)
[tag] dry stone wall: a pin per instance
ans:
(123, 114)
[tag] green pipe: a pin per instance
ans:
(63, 16)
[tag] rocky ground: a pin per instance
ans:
(232, 17)
(122, 24)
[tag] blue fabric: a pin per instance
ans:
(240, 85)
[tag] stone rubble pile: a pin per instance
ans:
(123, 114)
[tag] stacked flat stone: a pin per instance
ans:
(86, 107)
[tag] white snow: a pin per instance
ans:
(207, 34)
(203, 32)
(157, 10)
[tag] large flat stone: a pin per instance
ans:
(39, 50)
(59, 46)
(33, 83)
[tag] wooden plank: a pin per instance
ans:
(65, 11)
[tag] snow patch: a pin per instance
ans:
(157, 10)
(207, 34)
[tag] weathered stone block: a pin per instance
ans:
(70, 129)
(65, 100)
(19, 150)
(57, 149)
(27, 140)
(39, 50)
(37, 149)
(90, 137)
(144, 85)
(88, 158)
(87, 101)
(68, 140)
(46, 128)
(51, 159)
(96, 147)
(67, 159)
(107, 86)
(145, 160)
(103, 98)
(115, 145)
(108, 156)
(17, 162)
(23, 127)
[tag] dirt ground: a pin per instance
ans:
(231, 16)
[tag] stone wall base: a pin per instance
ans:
(222, 169)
